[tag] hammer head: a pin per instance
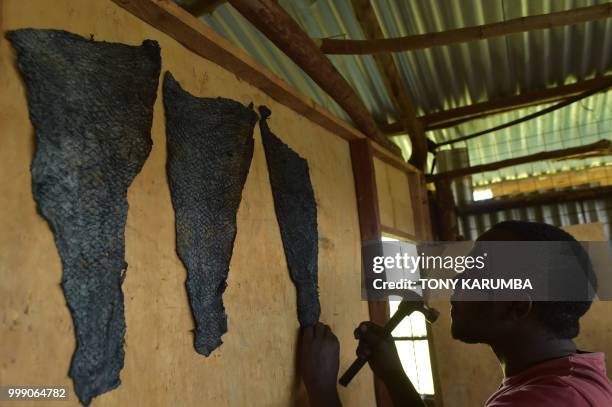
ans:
(431, 314)
(408, 307)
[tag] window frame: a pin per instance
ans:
(429, 398)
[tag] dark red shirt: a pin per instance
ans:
(575, 381)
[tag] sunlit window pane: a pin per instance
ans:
(414, 356)
(404, 328)
(482, 194)
(424, 367)
(414, 325)
(413, 353)
(405, 350)
(418, 324)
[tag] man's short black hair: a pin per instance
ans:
(558, 317)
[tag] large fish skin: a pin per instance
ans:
(91, 104)
(210, 147)
(296, 211)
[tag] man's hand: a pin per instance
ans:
(378, 349)
(318, 361)
(380, 352)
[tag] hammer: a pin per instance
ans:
(405, 308)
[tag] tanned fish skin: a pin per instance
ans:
(210, 147)
(91, 104)
(296, 211)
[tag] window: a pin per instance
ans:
(412, 345)
(482, 194)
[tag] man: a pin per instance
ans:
(531, 339)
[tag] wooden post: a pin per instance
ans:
(420, 206)
(393, 82)
(370, 228)
(447, 214)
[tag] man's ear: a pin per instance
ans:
(511, 311)
(520, 309)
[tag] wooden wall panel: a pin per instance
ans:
(255, 365)
(394, 198)
(467, 374)
(385, 199)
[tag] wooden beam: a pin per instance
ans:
(369, 225)
(362, 159)
(420, 206)
(200, 7)
(481, 32)
(270, 18)
(534, 199)
(397, 162)
(169, 18)
(561, 179)
(544, 155)
(530, 116)
(448, 228)
(454, 117)
(393, 83)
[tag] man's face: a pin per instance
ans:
(469, 321)
(474, 319)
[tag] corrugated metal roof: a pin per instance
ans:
(584, 122)
(317, 19)
(442, 78)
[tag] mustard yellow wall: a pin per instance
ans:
(394, 197)
(255, 365)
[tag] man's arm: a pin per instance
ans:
(318, 363)
(380, 352)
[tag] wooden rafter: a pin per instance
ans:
(270, 18)
(528, 117)
(167, 17)
(493, 205)
(393, 82)
(453, 117)
(517, 25)
(604, 145)
(544, 181)
(200, 7)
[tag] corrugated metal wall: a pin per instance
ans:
(561, 214)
